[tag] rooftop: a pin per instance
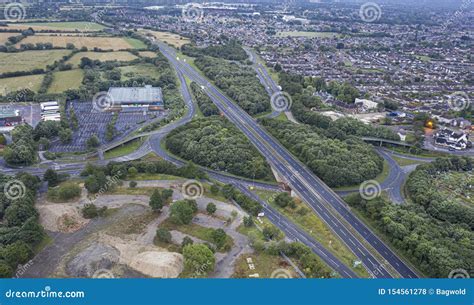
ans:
(147, 95)
(9, 113)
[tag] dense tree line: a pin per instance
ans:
(215, 143)
(302, 91)
(204, 102)
(422, 190)
(102, 177)
(249, 205)
(337, 162)
(232, 50)
(23, 149)
(239, 82)
(436, 247)
(20, 231)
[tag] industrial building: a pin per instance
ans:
(10, 119)
(136, 98)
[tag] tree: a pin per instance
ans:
(211, 208)
(163, 235)
(51, 176)
(271, 232)
(93, 142)
(132, 171)
(198, 259)
(167, 194)
(181, 212)
(65, 135)
(215, 189)
(3, 140)
(17, 213)
(283, 200)
(16, 253)
(5, 270)
(219, 237)
(156, 201)
(248, 221)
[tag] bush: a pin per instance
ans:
(182, 212)
(219, 237)
(198, 259)
(132, 184)
(90, 211)
(163, 235)
(248, 221)
(211, 208)
(186, 241)
(5, 270)
(156, 201)
(65, 192)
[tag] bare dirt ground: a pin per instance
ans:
(122, 243)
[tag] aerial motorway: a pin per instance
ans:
(325, 202)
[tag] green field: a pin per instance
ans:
(65, 80)
(102, 56)
(80, 25)
(32, 82)
(423, 58)
(29, 60)
(149, 54)
(308, 34)
(405, 161)
(135, 43)
(139, 70)
(124, 149)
